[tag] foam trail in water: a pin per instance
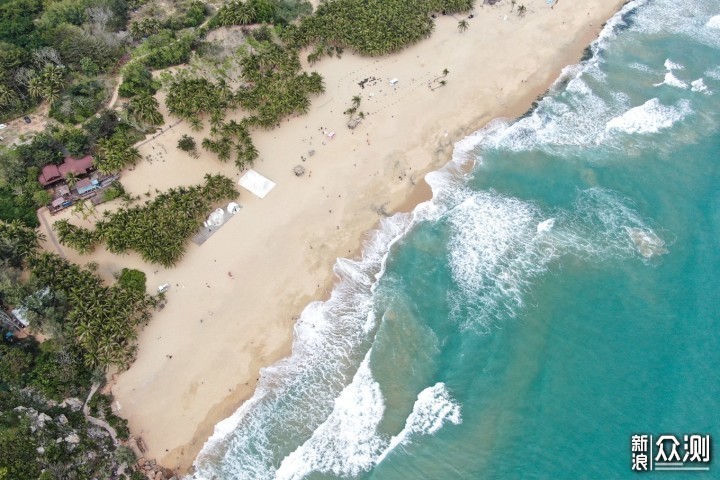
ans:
(347, 443)
(699, 86)
(672, 81)
(714, 73)
(300, 398)
(433, 409)
(670, 65)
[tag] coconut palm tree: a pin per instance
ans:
(114, 154)
(521, 11)
(71, 179)
(8, 98)
(463, 26)
(144, 107)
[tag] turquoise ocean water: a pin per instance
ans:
(560, 293)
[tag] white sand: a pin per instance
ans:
(219, 330)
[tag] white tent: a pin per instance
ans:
(233, 208)
(216, 218)
(256, 183)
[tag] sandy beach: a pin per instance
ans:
(233, 300)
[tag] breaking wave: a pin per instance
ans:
(319, 410)
(650, 117)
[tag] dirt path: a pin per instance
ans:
(51, 234)
(97, 421)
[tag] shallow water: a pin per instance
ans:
(541, 309)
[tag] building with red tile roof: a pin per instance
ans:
(54, 173)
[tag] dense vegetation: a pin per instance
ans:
(44, 436)
(273, 88)
(160, 228)
(21, 194)
(48, 46)
(279, 12)
(373, 27)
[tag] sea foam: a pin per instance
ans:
(650, 117)
(714, 22)
(699, 86)
(347, 443)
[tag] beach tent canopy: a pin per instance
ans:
(256, 183)
(216, 218)
(233, 208)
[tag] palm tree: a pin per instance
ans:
(8, 98)
(71, 179)
(356, 100)
(144, 107)
(512, 4)
(114, 154)
(521, 11)
(445, 72)
(463, 26)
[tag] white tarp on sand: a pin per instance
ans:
(256, 183)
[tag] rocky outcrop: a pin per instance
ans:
(153, 471)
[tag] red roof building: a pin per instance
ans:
(50, 174)
(53, 173)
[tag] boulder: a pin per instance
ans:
(73, 404)
(62, 419)
(73, 438)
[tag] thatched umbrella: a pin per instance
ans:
(298, 170)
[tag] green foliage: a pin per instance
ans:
(75, 46)
(115, 153)
(30, 450)
(373, 27)
(187, 144)
(79, 102)
(164, 49)
(235, 12)
(137, 79)
(190, 97)
(287, 11)
(102, 125)
(44, 148)
(17, 21)
(144, 108)
(75, 141)
(114, 191)
(48, 83)
(59, 371)
(15, 364)
(63, 11)
(245, 151)
(81, 239)
(159, 230)
(19, 451)
(189, 14)
(102, 319)
(17, 242)
(20, 192)
(17, 207)
(273, 88)
(133, 280)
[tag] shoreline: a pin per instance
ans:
(247, 323)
